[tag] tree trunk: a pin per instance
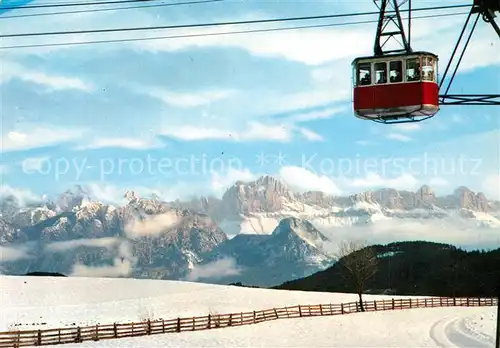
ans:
(361, 302)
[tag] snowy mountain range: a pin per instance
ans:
(280, 234)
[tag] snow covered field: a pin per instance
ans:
(61, 301)
(43, 302)
(408, 328)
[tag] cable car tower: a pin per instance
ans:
(401, 85)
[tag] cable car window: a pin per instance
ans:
(381, 72)
(396, 71)
(364, 74)
(428, 69)
(413, 69)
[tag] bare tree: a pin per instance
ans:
(358, 263)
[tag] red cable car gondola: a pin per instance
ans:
(396, 87)
(400, 85)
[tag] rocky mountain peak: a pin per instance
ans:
(266, 194)
(72, 198)
(462, 191)
(366, 196)
(425, 190)
(131, 196)
(468, 199)
(302, 228)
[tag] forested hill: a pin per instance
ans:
(417, 268)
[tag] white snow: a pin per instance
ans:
(483, 323)
(408, 328)
(61, 301)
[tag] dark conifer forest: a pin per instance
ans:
(416, 268)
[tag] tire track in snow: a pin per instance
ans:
(438, 333)
(451, 332)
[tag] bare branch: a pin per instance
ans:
(358, 261)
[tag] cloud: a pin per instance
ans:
(76, 243)
(36, 136)
(108, 194)
(186, 100)
(122, 266)
(373, 180)
(491, 186)
(23, 196)
(153, 225)
(254, 131)
(304, 46)
(14, 253)
(305, 180)
(310, 135)
(322, 114)
(221, 268)
(453, 230)
(52, 82)
(121, 142)
(398, 136)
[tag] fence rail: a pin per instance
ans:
(26, 338)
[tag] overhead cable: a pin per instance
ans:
(71, 4)
(109, 9)
(214, 24)
(214, 34)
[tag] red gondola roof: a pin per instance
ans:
(392, 56)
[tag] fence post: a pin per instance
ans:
(454, 301)
(342, 308)
(149, 326)
(321, 310)
(375, 305)
(300, 311)
(467, 302)
(479, 301)
(230, 320)
(115, 330)
(254, 317)
(209, 321)
(78, 334)
(276, 313)
(178, 328)
(393, 304)
(39, 338)
(163, 325)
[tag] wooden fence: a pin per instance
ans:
(27, 338)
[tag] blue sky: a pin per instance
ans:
(190, 116)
